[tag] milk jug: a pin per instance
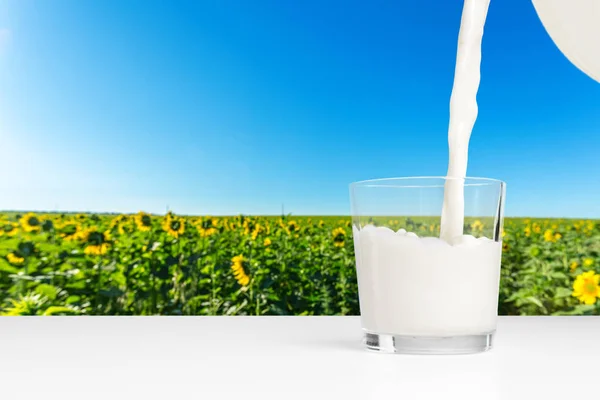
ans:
(574, 26)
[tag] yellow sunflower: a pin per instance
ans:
(126, 227)
(477, 225)
(550, 236)
(96, 243)
(206, 226)
(47, 225)
(81, 217)
(174, 226)
(586, 287)
(293, 227)
(31, 222)
(267, 242)
(15, 259)
(588, 262)
(321, 223)
(237, 266)
(117, 220)
(252, 229)
(9, 229)
(70, 230)
(339, 236)
(573, 266)
(143, 221)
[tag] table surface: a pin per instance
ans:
(284, 358)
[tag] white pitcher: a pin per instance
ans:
(574, 26)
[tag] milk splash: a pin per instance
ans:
(463, 113)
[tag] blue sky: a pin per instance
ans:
(226, 107)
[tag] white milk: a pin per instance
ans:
(436, 286)
(463, 113)
(424, 286)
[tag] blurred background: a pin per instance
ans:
(259, 114)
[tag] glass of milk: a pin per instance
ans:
(420, 294)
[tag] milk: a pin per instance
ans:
(431, 286)
(424, 286)
(463, 113)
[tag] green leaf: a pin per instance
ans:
(558, 275)
(563, 292)
(73, 299)
(536, 301)
(6, 267)
(582, 308)
(61, 310)
(578, 310)
(111, 292)
(47, 290)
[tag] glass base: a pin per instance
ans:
(468, 344)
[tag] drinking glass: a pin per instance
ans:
(420, 294)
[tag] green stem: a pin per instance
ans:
(98, 285)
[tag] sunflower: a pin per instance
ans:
(573, 266)
(125, 228)
(550, 236)
(116, 221)
(252, 229)
(173, 225)
(31, 222)
(321, 223)
(25, 249)
(257, 229)
(477, 226)
(293, 227)
(588, 262)
(70, 231)
(237, 266)
(47, 225)
(143, 221)
(589, 227)
(339, 235)
(96, 243)
(15, 259)
(267, 242)
(206, 226)
(9, 229)
(80, 217)
(586, 287)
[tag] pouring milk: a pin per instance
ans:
(463, 113)
(574, 26)
(393, 266)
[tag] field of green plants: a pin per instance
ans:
(142, 264)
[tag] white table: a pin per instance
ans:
(284, 358)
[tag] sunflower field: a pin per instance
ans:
(143, 264)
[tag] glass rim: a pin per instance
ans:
(388, 182)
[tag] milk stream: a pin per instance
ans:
(463, 113)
